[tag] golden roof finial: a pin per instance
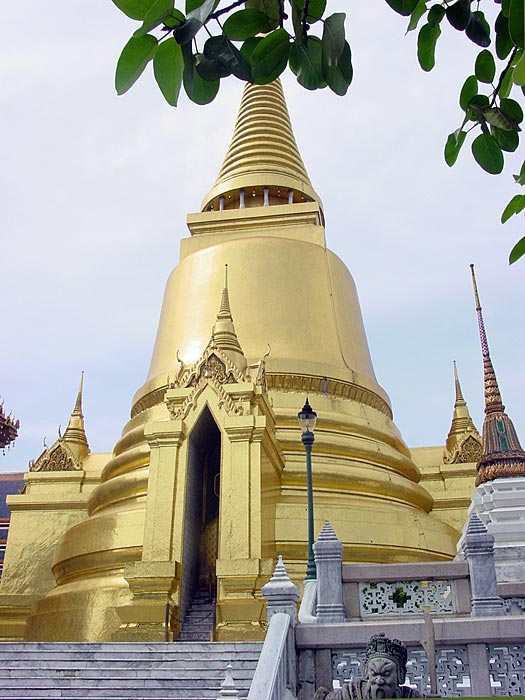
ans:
(225, 299)
(223, 333)
(502, 453)
(263, 154)
(461, 428)
(459, 395)
(75, 434)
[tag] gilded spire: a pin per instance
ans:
(459, 396)
(463, 441)
(75, 435)
(263, 165)
(223, 334)
(502, 453)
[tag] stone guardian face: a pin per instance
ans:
(382, 679)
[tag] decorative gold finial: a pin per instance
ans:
(263, 159)
(223, 333)
(75, 434)
(463, 441)
(459, 395)
(502, 453)
(224, 310)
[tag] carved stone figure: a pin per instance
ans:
(384, 672)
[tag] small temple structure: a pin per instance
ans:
(8, 428)
(206, 486)
(499, 498)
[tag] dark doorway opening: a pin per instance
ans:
(201, 530)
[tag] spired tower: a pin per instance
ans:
(207, 485)
(499, 498)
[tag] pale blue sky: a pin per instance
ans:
(95, 188)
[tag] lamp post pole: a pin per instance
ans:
(307, 418)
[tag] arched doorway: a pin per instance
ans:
(201, 521)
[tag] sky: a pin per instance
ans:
(95, 188)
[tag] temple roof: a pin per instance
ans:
(263, 155)
(502, 454)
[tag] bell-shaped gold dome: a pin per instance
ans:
(206, 426)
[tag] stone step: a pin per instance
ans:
(94, 671)
(174, 675)
(114, 693)
(134, 667)
(161, 653)
(137, 658)
(55, 683)
(129, 647)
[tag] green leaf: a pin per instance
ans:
(519, 71)
(506, 140)
(516, 22)
(157, 12)
(200, 91)
(512, 109)
(453, 146)
(136, 9)
(333, 41)
(416, 15)
(485, 68)
(339, 77)
(458, 14)
(426, 46)
(403, 7)
(269, 7)
(249, 47)
(133, 60)
(488, 154)
(516, 204)
(307, 61)
(192, 4)
(469, 89)
(436, 14)
(499, 119)
(221, 49)
(517, 252)
(168, 66)
(270, 56)
(478, 29)
(174, 20)
(507, 83)
(476, 108)
(246, 23)
(209, 68)
(194, 21)
(504, 43)
(520, 179)
(316, 9)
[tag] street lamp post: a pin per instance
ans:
(307, 418)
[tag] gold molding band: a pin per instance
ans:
(292, 382)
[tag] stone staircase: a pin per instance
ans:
(199, 622)
(124, 671)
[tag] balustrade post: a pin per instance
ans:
(478, 547)
(328, 552)
(281, 596)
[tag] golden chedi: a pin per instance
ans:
(207, 485)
